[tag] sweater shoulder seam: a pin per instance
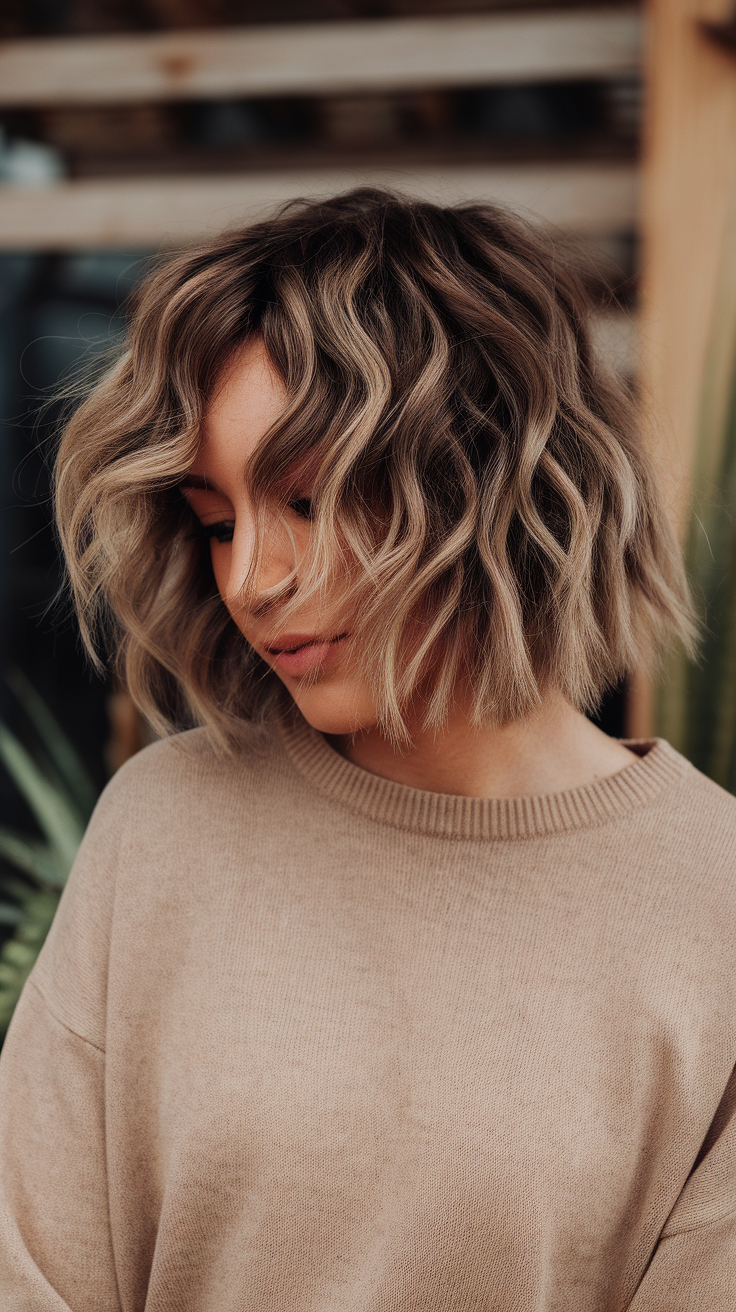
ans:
(32, 983)
(699, 1225)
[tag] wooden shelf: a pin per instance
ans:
(146, 212)
(321, 58)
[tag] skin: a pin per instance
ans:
(555, 749)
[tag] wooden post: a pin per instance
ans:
(689, 175)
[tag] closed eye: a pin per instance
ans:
(222, 531)
(301, 506)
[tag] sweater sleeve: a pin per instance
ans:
(56, 1250)
(693, 1266)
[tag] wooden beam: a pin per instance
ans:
(146, 212)
(320, 58)
(689, 177)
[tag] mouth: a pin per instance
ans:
(299, 653)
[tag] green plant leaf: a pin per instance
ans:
(18, 954)
(61, 797)
(71, 771)
(16, 888)
(61, 823)
(34, 858)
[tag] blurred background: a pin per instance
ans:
(129, 126)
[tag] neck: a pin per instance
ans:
(553, 750)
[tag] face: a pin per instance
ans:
(313, 658)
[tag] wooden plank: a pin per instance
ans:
(689, 178)
(689, 175)
(320, 58)
(147, 212)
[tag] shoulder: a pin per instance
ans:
(188, 768)
(163, 816)
(168, 795)
(185, 754)
(684, 842)
(700, 807)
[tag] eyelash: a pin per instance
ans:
(223, 531)
(224, 528)
(302, 507)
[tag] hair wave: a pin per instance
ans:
(438, 366)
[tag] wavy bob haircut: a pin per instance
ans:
(475, 462)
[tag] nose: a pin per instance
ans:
(273, 564)
(240, 559)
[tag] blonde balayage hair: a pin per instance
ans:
(474, 462)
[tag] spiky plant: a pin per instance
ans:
(60, 795)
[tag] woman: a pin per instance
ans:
(397, 984)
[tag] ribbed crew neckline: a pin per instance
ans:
(447, 815)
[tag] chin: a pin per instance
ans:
(336, 708)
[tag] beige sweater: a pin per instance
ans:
(306, 1040)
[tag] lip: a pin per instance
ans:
(300, 653)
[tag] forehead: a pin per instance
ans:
(248, 399)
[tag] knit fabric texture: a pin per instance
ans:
(303, 1039)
